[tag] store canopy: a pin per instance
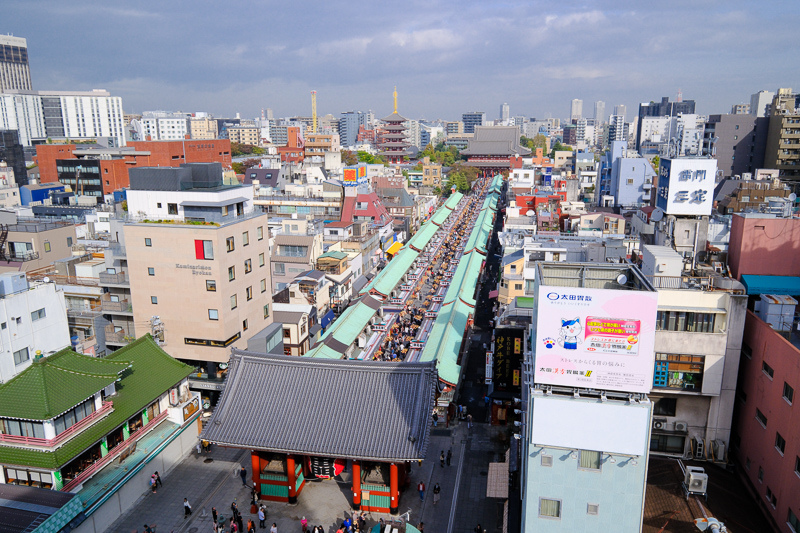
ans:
(394, 248)
(789, 285)
(493, 294)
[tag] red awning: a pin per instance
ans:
(493, 294)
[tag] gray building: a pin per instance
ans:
(349, 124)
(12, 153)
(664, 108)
(599, 112)
(760, 103)
(472, 119)
(14, 70)
(740, 142)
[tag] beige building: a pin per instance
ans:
(431, 173)
(293, 255)
(209, 285)
(245, 135)
(204, 129)
(783, 137)
(512, 283)
(33, 245)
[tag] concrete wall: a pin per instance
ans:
(761, 245)
(121, 501)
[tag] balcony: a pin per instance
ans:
(123, 306)
(23, 257)
(61, 437)
(120, 278)
(116, 337)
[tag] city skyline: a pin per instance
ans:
(164, 60)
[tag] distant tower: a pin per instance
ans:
(599, 112)
(504, 113)
(313, 111)
(576, 110)
(620, 110)
(14, 70)
(393, 143)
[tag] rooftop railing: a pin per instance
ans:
(61, 437)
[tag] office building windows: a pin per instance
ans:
(202, 249)
(260, 233)
(229, 244)
(761, 418)
(248, 266)
(244, 325)
(767, 370)
(263, 285)
(261, 259)
(589, 460)
(38, 314)
(20, 356)
(266, 311)
(249, 292)
(231, 273)
(549, 508)
(211, 285)
(151, 271)
(149, 242)
(213, 314)
(245, 238)
(154, 299)
(780, 443)
(788, 393)
(233, 301)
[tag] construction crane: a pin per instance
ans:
(313, 111)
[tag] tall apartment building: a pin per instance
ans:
(12, 153)
(22, 112)
(505, 113)
(621, 110)
(245, 135)
(349, 123)
(665, 108)
(760, 103)
(453, 127)
(15, 72)
(736, 141)
(599, 112)
(472, 119)
(164, 126)
(575, 109)
(783, 139)
(205, 272)
(203, 128)
(617, 128)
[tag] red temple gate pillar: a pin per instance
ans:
(255, 464)
(356, 485)
(292, 478)
(393, 492)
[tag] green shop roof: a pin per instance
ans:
(55, 384)
(333, 254)
(149, 373)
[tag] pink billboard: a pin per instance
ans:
(595, 338)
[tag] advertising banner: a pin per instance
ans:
(595, 338)
(507, 358)
(686, 186)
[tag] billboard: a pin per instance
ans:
(595, 338)
(355, 175)
(686, 186)
(509, 345)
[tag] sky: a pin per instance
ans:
(445, 58)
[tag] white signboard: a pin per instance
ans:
(686, 186)
(489, 365)
(595, 338)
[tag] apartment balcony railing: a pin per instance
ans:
(61, 437)
(27, 256)
(120, 278)
(115, 337)
(123, 306)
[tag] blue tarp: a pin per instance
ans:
(327, 319)
(787, 285)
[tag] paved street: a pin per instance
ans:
(213, 483)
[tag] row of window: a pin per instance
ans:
(211, 286)
(687, 321)
(551, 508)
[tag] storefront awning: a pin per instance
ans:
(394, 248)
(789, 285)
(493, 294)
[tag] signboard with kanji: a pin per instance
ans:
(509, 345)
(595, 338)
(686, 186)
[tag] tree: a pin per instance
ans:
(241, 166)
(540, 141)
(560, 148)
(349, 158)
(656, 162)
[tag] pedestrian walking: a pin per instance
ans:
(149, 529)
(153, 483)
(158, 479)
(243, 475)
(441, 459)
(304, 524)
(261, 517)
(234, 527)
(240, 523)
(435, 419)
(348, 525)
(251, 526)
(449, 456)
(436, 490)
(274, 528)
(234, 510)
(469, 421)
(187, 508)
(214, 514)
(421, 489)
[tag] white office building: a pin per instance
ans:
(22, 112)
(165, 126)
(33, 322)
(576, 109)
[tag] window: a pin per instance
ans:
(280, 268)
(233, 301)
(266, 311)
(229, 244)
(158, 205)
(678, 371)
(760, 475)
(225, 210)
(263, 285)
(687, 321)
(593, 508)
(149, 242)
(211, 285)
(245, 238)
(261, 259)
(747, 351)
(244, 325)
(771, 498)
(780, 443)
(38, 314)
(665, 406)
(761, 418)
(151, 271)
(788, 393)
(589, 460)
(46, 246)
(154, 299)
(547, 460)
(248, 266)
(3, 325)
(793, 522)
(286, 333)
(69, 241)
(172, 209)
(630, 181)
(213, 314)
(202, 249)
(249, 292)
(231, 273)
(549, 508)
(518, 286)
(20, 356)
(260, 233)
(767, 370)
